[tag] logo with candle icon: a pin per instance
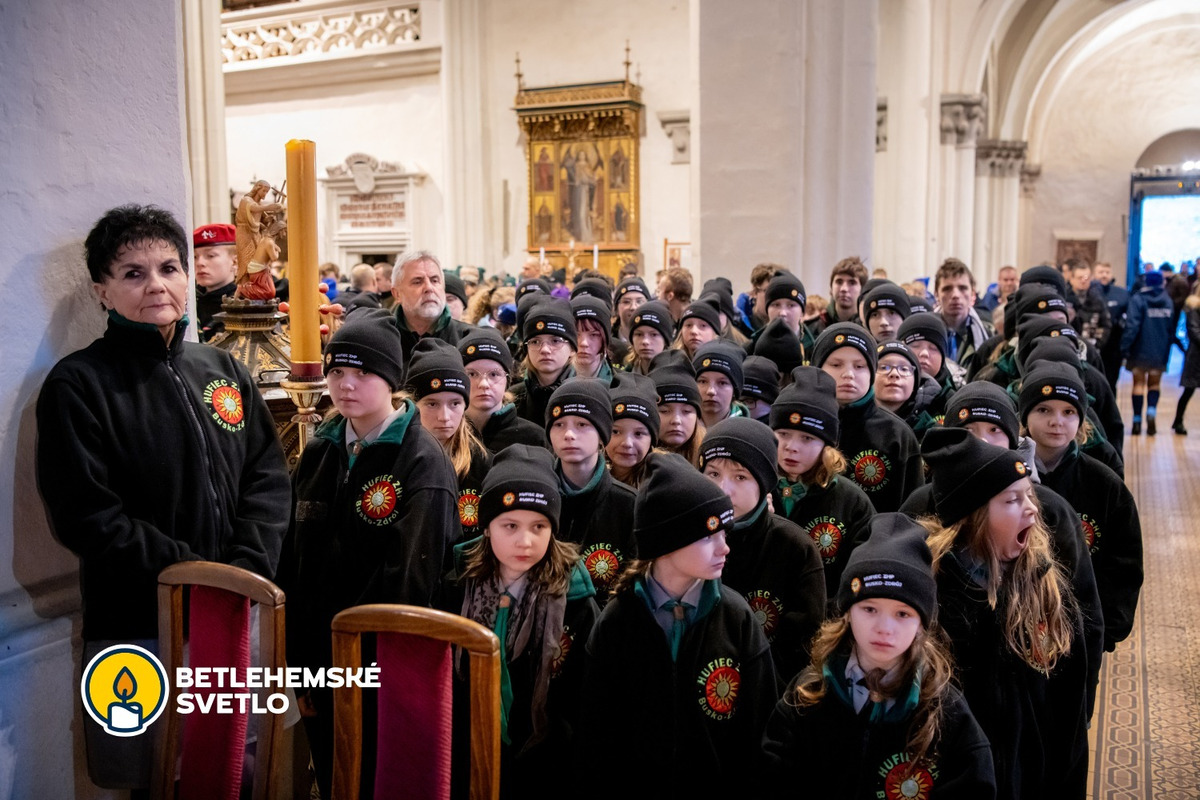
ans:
(124, 688)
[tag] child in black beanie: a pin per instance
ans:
(1053, 401)
(635, 427)
(488, 364)
(771, 562)
(811, 489)
(520, 580)
(597, 511)
(549, 341)
(882, 452)
(689, 660)
(879, 695)
(373, 514)
(1014, 626)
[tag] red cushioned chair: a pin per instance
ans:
(212, 752)
(413, 649)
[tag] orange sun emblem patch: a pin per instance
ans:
(559, 656)
(226, 402)
(963, 413)
(1021, 468)
(721, 689)
(900, 784)
(377, 504)
(508, 499)
(839, 339)
(713, 523)
(1047, 389)
(765, 614)
(870, 471)
(828, 538)
(794, 418)
(470, 349)
(855, 585)
(435, 384)
(468, 509)
(620, 408)
(603, 565)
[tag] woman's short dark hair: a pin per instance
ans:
(128, 225)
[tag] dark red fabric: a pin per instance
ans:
(214, 744)
(415, 703)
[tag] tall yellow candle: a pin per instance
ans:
(302, 258)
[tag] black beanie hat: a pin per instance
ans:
(1046, 276)
(749, 443)
(723, 285)
(889, 295)
(704, 312)
(521, 477)
(674, 380)
(368, 340)
(918, 305)
(924, 327)
(631, 284)
(1045, 351)
(455, 285)
(485, 343)
(655, 315)
(723, 357)
(785, 286)
(676, 506)
(721, 302)
(893, 563)
(586, 306)
(535, 285)
(582, 397)
(550, 316)
(436, 366)
(967, 472)
(594, 287)
(845, 334)
(1052, 381)
(634, 397)
(1034, 328)
(808, 405)
(1153, 278)
(900, 349)
(982, 401)
(870, 285)
(1031, 299)
(778, 343)
(760, 379)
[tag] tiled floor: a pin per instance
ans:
(1146, 730)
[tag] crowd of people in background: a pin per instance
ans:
(873, 544)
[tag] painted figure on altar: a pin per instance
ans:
(257, 225)
(582, 185)
(618, 169)
(543, 225)
(543, 177)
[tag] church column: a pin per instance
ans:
(998, 165)
(784, 146)
(962, 123)
(902, 177)
(468, 208)
(204, 98)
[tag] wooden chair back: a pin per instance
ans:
(483, 649)
(271, 648)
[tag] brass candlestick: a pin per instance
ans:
(306, 394)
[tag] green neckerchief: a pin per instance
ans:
(750, 518)
(834, 673)
(570, 491)
(334, 429)
(438, 325)
(710, 595)
(924, 422)
(606, 372)
(504, 409)
(790, 494)
(506, 693)
(866, 399)
(738, 409)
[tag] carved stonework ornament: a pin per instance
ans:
(1029, 175)
(296, 33)
(363, 168)
(999, 158)
(963, 118)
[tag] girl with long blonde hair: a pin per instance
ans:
(1014, 626)
(878, 694)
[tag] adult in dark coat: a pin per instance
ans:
(419, 286)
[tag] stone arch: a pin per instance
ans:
(1172, 149)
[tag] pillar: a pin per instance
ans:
(962, 123)
(997, 197)
(204, 96)
(784, 135)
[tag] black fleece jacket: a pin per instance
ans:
(148, 455)
(506, 427)
(882, 453)
(837, 518)
(776, 568)
(686, 728)
(599, 518)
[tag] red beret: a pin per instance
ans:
(218, 233)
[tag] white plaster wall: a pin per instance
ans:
(1107, 112)
(578, 41)
(398, 119)
(91, 103)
